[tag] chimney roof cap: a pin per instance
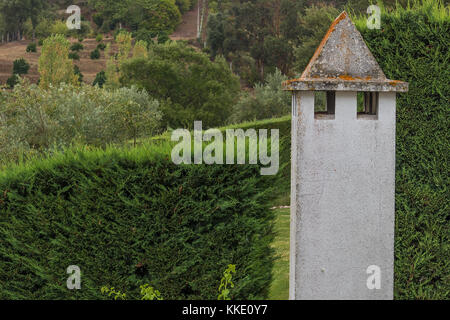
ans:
(343, 62)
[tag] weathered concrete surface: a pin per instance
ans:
(343, 62)
(343, 173)
(346, 85)
(342, 199)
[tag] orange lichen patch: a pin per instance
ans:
(342, 16)
(394, 82)
(346, 77)
(288, 82)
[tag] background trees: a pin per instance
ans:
(189, 85)
(153, 15)
(16, 12)
(55, 67)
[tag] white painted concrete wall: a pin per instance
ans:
(342, 199)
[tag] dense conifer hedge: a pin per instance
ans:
(412, 45)
(132, 217)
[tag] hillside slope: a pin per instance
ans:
(17, 49)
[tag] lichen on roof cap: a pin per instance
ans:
(343, 62)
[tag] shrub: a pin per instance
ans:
(129, 217)
(43, 28)
(313, 25)
(268, 100)
(99, 38)
(412, 45)
(59, 27)
(95, 54)
(163, 37)
(101, 46)
(31, 47)
(107, 26)
(173, 72)
(98, 19)
(119, 31)
(74, 56)
(76, 47)
(40, 42)
(140, 49)
(12, 81)
(145, 35)
(55, 66)
(20, 66)
(166, 19)
(32, 118)
(100, 79)
(84, 31)
(77, 72)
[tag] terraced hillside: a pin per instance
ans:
(17, 49)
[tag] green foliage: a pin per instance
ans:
(140, 49)
(100, 79)
(20, 66)
(77, 72)
(149, 293)
(95, 54)
(124, 42)
(31, 47)
(59, 27)
(129, 217)
(99, 38)
(268, 100)
(43, 28)
(55, 67)
(163, 37)
(84, 31)
(226, 283)
(101, 46)
(35, 120)
(264, 30)
(12, 81)
(412, 45)
(173, 72)
(313, 25)
(184, 5)
(118, 295)
(98, 19)
(145, 35)
(15, 14)
(77, 46)
(155, 15)
(74, 56)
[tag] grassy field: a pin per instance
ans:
(279, 289)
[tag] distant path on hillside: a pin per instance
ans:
(187, 29)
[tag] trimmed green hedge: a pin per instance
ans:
(129, 217)
(412, 45)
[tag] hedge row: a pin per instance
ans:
(412, 45)
(129, 217)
